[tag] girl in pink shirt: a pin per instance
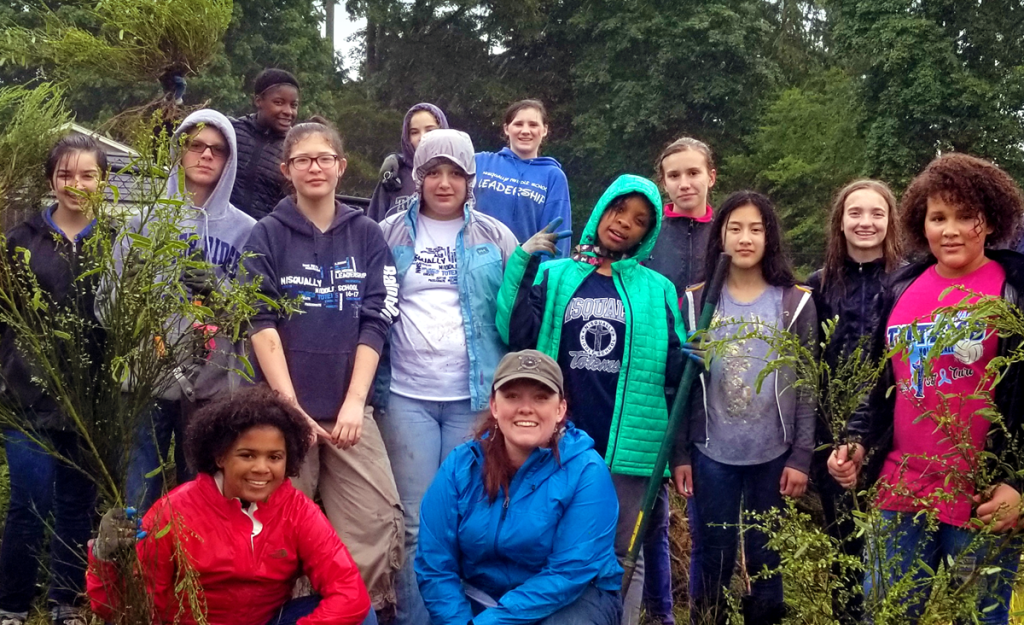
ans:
(927, 435)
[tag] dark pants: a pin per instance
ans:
(837, 506)
(150, 452)
(658, 563)
(594, 607)
(721, 492)
(295, 609)
(40, 484)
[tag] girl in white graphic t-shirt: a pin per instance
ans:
(444, 347)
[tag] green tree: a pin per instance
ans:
(808, 145)
(937, 76)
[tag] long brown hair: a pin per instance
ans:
(498, 469)
(835, 250)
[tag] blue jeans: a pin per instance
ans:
(41, 484)
(720, 493)
(658, 563)
(419, 435)
(907, 541)
(149, 453)
(295, 609)
(594, 607)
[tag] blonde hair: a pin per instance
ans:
(682, 144)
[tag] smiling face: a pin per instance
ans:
(865, 223)
(744, 237)
(420, 124)
(956, 237)
(687, 181)
(622, 227)
(444, 192)
(316, 181)
(525, 132)
(203, 159)
(528, 413)
(76, 170)
(278, 107)
(254, 466)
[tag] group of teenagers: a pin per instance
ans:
(478, 409)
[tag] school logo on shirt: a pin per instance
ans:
(437, 264)
(597, 337)
(967, 352)
(329, 288)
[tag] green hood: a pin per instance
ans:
(627, 183)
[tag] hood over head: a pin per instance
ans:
(220, 198)
(453, 146)
(627, 183)
(407, 150)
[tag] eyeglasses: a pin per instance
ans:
(302, 163)
(218, 151)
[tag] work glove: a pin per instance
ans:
(389, 174)
(119, 531)
(132, 265)
(199, 281)
(544, 241)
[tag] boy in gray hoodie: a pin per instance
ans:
(204, 150)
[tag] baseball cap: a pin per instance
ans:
(528, 364)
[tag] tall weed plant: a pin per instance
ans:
(815, 567)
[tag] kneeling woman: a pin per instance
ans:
(246, 531)
(519, 525)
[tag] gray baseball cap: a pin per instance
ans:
(528, 364)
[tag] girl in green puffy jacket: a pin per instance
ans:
(612, 325)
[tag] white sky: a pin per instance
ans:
(344, 28)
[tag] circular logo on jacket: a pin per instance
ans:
(598, 338)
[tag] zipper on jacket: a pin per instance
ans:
(501, 519)
(689, 257)
(625, 356)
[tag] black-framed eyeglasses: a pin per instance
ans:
(198, 147)
(302, 163)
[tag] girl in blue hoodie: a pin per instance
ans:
(335, 260)
(517, 186)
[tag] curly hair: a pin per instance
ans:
(216, 427)
(970, 184)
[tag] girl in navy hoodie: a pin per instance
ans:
(336, 260)
(517, 186)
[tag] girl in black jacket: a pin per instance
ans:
(863, 248)
(39, 481)
(259, 183)
(948, 466)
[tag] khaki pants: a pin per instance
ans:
(361, 501)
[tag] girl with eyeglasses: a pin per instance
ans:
(336, 262)
(204, 156)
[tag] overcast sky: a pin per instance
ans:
(344, 28)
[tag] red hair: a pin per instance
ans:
(498, 467)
